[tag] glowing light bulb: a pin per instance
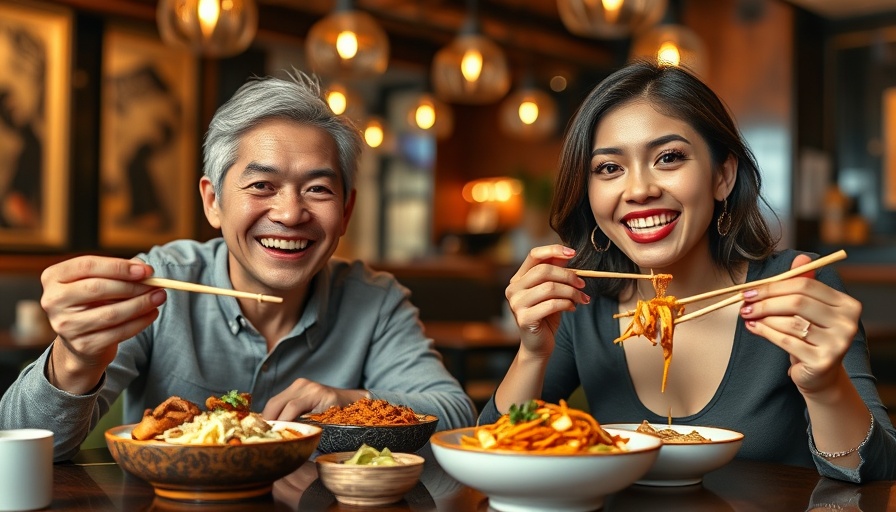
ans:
(471, 65)
(668, 54)
(528, 112)
(209, 11)
(503, 191)
(347, 44)
(425, 116)
(480, 192)
(611, 9)
(373, 134)
(337, 101)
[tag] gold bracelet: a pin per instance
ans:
(836, 455)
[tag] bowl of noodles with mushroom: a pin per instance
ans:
(688, 452)
(543, 456)
(376, 423)
(225, 453)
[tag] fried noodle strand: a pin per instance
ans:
(656, 318)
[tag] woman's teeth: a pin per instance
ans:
(287, 245)
(653, 221)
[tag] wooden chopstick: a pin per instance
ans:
(613, 275)
(709, 309)
(161, 282)
(812, 265)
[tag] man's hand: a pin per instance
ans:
(93, 304)
(305, 396)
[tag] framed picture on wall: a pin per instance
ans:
(148, 141)
(35, 65)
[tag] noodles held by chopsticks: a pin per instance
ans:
(656, 317)
(545, 428)
(659, 315)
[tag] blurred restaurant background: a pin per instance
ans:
(463, 103)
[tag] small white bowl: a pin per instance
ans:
(368, 485)
(685, 464)
(530, 482)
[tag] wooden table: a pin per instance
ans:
(94, 483)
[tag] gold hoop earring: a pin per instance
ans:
(593, 244)
(723, 223)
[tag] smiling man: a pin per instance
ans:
(278, 183)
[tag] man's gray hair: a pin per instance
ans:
(298, 99)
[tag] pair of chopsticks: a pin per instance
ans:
(171, 284)
(802, 269)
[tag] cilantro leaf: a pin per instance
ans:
(524, 412)
(233, 398)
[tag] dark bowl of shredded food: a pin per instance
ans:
(376, 423)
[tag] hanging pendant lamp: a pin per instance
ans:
(375, 132)
(347, 42)
(672, 45)
(214, 28)
(529, 112)
(472, 69)
(344, 101)
(428, 115)
(610, 19)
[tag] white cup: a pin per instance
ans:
(26, 469)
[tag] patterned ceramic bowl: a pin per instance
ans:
(212, 472)
(398, 438)
(368, 485)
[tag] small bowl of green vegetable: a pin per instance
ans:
(369, 477)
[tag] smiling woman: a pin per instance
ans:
(655, 178)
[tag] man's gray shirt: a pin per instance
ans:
(358, 331)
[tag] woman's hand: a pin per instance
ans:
(93, 304)
(809, 320)
(539, 292)
(306, 396)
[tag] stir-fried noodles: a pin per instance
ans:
(546, 428)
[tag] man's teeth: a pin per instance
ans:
(289, 245)
(650, 222)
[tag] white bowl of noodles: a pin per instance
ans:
(545, 457)
(684, 461)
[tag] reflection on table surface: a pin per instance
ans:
(94, 482)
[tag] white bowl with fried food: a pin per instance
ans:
(527, 481)
(686, 460)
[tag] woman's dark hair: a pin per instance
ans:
(679, 94)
